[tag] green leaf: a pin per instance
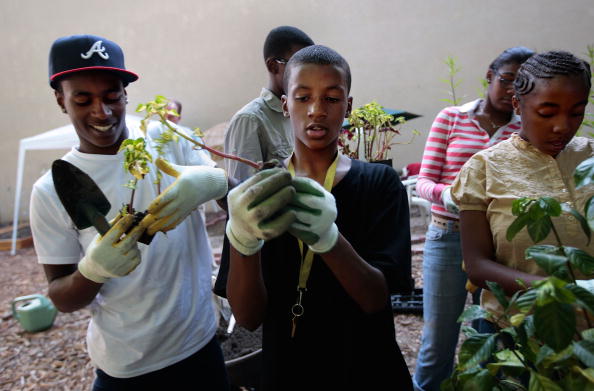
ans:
(542, 383)
(588, 334)
(584, 297)
(539, 229)
(587, 374)
(498, 293)
(480, 381)
(584, 173)
(447, 385)
(471, 313)
(583, 261)
(517, 319)
(555, 324)
(516, 226)
(550, 206)
(589, 212)
(559, 358)
(584, 350)
(554, 265)
(543, 354)
(581, 219)
(520, 205)
(577, 379)
(526, 301)
(476, 350)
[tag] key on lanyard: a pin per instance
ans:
(297, 311)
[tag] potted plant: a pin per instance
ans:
(369, 133)
(541, 349)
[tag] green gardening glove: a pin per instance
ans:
(257, 210)
(315, 209)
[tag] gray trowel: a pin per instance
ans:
(82, 198)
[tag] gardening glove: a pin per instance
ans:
(194, 185)
(112, 255)
(315, 209)
(448, 202)
(257, 210)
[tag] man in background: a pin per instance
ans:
(260, 131)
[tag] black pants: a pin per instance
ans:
(204, 370)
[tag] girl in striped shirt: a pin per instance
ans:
(457, 133)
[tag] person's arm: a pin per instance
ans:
(68, 289)
(364, 283)
(245, 289)
(479, 255)
(428, 184)
(242, 139)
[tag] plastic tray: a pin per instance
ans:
(408, 304)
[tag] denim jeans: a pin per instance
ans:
(444, 296)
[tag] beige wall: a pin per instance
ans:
(207, 53)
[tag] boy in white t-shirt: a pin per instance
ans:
(153, 322)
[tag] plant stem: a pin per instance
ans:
(358, 146)
(453, 89)
(209, 149)
(559, 243)
(130, 208)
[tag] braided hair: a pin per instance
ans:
(548, 65)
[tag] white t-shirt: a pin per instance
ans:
(160, 313)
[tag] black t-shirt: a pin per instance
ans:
(338, 346)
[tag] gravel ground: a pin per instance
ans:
(56, 359)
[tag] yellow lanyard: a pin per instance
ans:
(308, 259)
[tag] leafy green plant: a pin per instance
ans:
(375, 129)
(541, 349)
(137, 158)
(136, 162)
(453, 70)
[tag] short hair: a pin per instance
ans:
(515, 55)
(319, 55)
(548, 65)
(282, 38)
(178, 104)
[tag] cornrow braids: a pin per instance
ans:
(548, 65)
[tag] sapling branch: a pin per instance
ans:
(158, 107)
(204, 146)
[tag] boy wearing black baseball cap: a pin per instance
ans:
(152, 322)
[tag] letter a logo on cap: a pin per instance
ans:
(96, 48)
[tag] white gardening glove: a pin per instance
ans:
(194, 186)
(256, 210)
(315, 209)
(448, 202)
(112, 255)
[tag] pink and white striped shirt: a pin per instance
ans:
(454, 137)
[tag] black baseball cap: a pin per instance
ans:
(77, 53)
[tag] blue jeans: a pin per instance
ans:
(204, 370)
(444, 296)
